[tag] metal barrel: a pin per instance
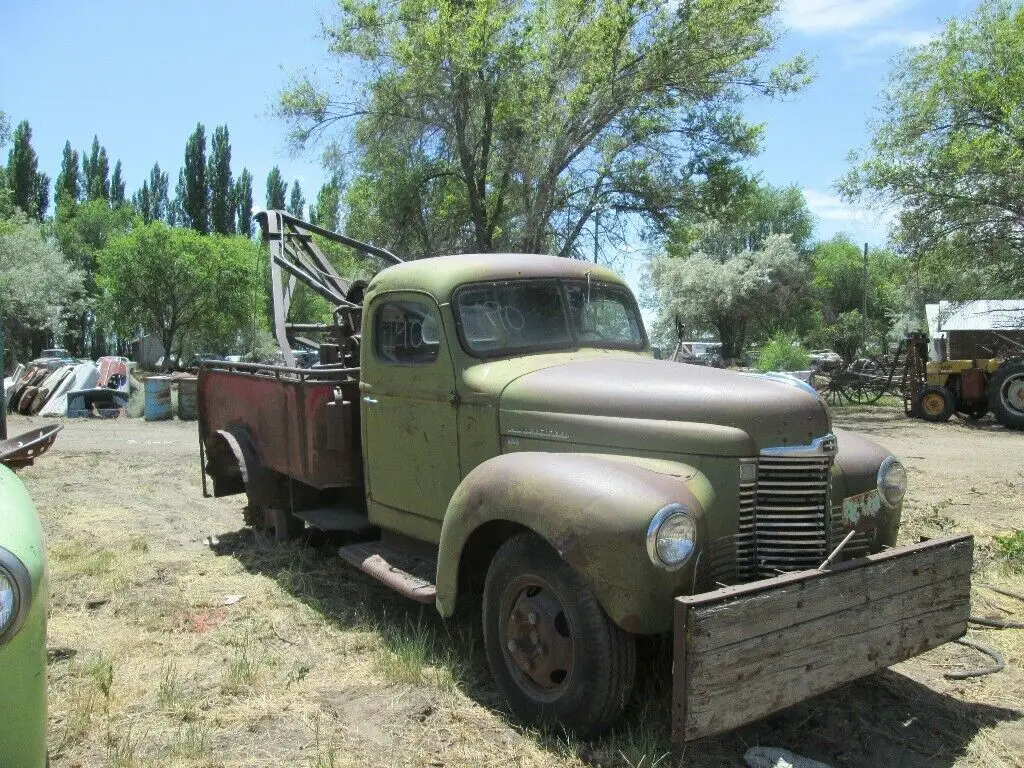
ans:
(158, 398)
(187, 402)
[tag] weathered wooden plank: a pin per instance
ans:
(753, 650)
(758, 654)
(768, 613)
(715, 597)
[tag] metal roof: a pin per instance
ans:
(980, 315)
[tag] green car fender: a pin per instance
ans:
(593, 509)
(23, 640)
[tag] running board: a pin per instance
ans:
(335, 519)
(375, 559)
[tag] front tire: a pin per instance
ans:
(553, 651)
(1007, 400)
(935, 404)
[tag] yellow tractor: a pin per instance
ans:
(935, 390)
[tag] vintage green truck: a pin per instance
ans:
(496, 427)
(24, 601)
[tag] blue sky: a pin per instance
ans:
(140, 75)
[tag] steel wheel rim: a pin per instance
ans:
(933, 403)
(1012, 393)
(536, 637)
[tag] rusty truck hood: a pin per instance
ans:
(660, 406)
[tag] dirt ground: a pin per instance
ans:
(179, 637)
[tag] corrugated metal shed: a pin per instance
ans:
(981, 315)
(975, 329)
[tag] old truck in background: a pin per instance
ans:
(496, 426)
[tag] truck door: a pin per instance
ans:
(409, 418)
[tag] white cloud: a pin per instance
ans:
(901, 38)
(835, 215)
(830, 207)
(818, 16)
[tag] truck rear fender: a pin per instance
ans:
(229, 456)
(234, 464)
(594, 510)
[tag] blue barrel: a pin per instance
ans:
(187, 406)
(158, 398)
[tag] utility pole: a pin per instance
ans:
(864, 313)
(597, 224)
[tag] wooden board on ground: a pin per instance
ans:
(744, 652)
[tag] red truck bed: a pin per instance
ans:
(301, 423)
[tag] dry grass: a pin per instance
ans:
(156, 664)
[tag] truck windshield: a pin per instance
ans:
(514, 316)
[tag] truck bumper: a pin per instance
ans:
(744, 652)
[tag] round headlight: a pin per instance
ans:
(671, 537)
(8, 601)
(892, 481)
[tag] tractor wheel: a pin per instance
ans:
(554, 653)
(935, 403)
(1007, 398)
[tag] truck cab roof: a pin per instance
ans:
(440, 276)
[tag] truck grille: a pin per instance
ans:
(791, 514)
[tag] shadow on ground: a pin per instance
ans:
(887, 719)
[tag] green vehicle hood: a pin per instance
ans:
(662, 406)
(20, 532)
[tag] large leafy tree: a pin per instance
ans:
(738, 297)
(218, 174)
(30, 189)
(37, 284)
(745, 210)
(277, 189)
(179, 284)
(82, 231)
(242, 196)
(841, 284)
(948, 152)
(506, 124)
(326, 212)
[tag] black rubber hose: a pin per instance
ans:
(988, 651)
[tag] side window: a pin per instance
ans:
(406, 333)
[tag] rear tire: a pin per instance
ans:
(1007, 398)
(553, 651)
(935, 404)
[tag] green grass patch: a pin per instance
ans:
(1010, 550)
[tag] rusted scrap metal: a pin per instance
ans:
(21, 451)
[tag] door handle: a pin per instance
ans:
(369, 400)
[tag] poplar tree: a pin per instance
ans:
(30, 190)
(218, 174)
(243, 203)
(193, 192)
(297, 202)
(68, 187)
(96, 173)
(277, 189)
(116, 187)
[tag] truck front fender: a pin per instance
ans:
(593, 509)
